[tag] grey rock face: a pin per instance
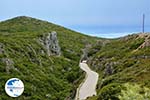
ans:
(54, 47)
(50, 43)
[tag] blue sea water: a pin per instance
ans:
(109, 31)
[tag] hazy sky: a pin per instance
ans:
(99, 17)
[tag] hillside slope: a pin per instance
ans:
(46, 73)
(123, 65)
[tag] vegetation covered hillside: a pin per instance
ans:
(45, 74)
(123, 65)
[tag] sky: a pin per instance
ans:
(103, 18)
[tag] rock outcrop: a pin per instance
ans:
(109, 68)
(9, 64)
(146, 42)
(50, 43)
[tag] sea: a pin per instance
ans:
(110, 31)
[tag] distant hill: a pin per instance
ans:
(27, 53)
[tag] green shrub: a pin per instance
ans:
(134, 92)
(110, 92)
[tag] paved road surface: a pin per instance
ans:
(88, 87)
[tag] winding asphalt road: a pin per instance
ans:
(88, 87)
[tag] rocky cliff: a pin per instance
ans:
(50, 42)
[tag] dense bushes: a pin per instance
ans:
(134, 92)
(110, 92)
